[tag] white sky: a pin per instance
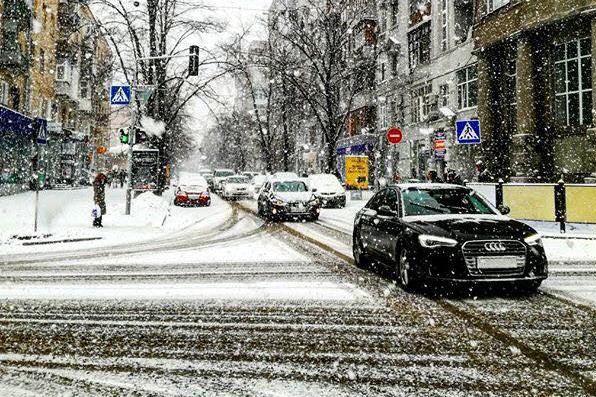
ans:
(239, 15)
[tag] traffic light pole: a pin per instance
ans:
(131, 140)
(193, 71)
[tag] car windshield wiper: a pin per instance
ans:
(438, 211)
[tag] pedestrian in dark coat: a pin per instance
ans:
(453, 177)
(122, 177)
(484, 175)
(99, 197)
(433, 177)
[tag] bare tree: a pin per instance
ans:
(326, 77)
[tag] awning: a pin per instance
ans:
(14, 124)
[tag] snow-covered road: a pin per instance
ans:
(234, 306)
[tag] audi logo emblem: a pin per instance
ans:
(495, 247)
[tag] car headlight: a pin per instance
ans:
(428, 241)
(534, 240)
(277, 201)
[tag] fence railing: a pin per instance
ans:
(560, 202)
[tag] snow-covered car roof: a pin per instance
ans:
(193, 179)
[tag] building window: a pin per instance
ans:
(421, 103)
(573, 82)
(444, 25)
(492, 5)
(383, 70)
(394, 12)
(419, 45)
(467, 88)
(463, 19)
(444, 95)
(84, 86)
(63, 71)
(42, 60)
(383, 116)
(394, 64)
(4, 88)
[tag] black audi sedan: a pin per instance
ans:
(446, 233)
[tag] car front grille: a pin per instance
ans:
(483, 250)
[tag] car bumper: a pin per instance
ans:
(332, 201)
(237, 194)
(450, 265)
(284, 212)
(202, 201)
(487, 279)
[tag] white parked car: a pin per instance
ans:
(219, 176)
(328, 190)
(236, 187)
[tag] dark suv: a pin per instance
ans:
(447, 233)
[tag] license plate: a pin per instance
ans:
(298, 208)
(193, 196)
(500, 262)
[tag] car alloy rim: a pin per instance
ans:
(403, 268)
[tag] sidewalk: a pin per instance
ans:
(65, 217)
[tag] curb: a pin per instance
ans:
(70, 240)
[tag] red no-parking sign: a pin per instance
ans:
(394, 135)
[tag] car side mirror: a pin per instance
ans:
(385, 210)
(314, 190)
(503, 209)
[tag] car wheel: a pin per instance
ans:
(361, 260)
(406, 276)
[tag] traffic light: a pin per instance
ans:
(193, 61)
(124, 137)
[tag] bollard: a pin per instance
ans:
(560, 205)
(499, 193)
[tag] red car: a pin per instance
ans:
(193, 193)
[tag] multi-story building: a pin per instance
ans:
(536, 78)
(426, 80)
(16, 132)
(358, 93)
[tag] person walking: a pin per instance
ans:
(99, 197)
(484, 175)
(122, 178)
(433, 177)
(453, 177)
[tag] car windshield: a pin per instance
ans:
(237, 179)
(294, 186)
(329, 181)
(223, 173)
(444, 201)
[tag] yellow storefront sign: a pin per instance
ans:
(357, 172)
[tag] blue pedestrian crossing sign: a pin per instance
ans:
(120, 95)
(468, 132)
